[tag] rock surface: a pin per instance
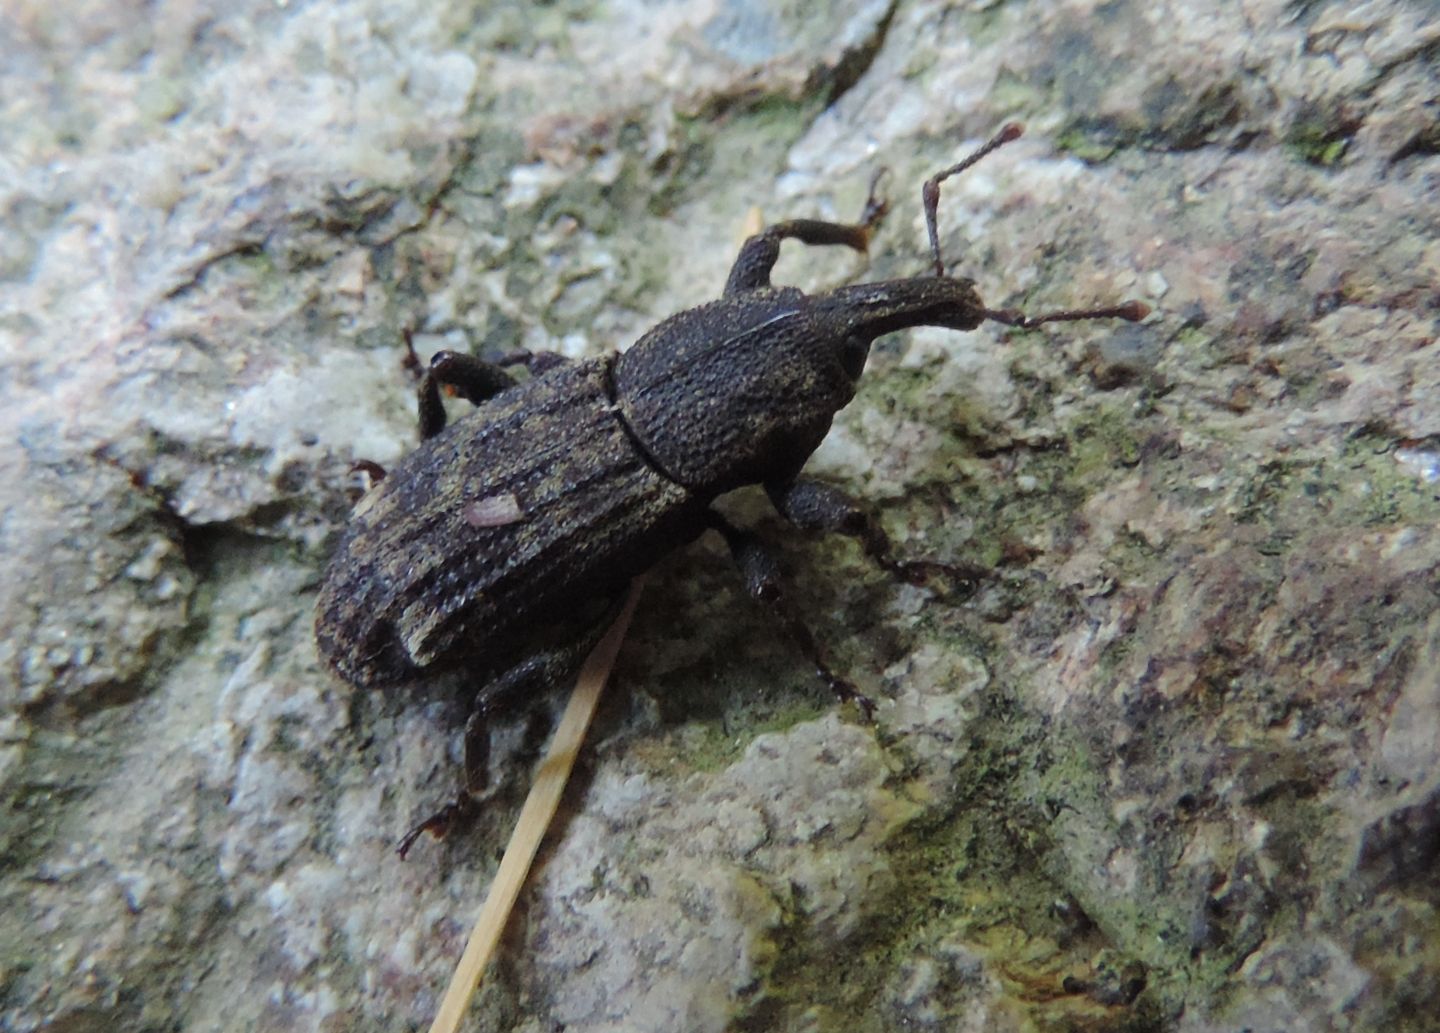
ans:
(1173, 768)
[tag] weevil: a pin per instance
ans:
(505, 540)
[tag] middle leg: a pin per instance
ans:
(472, 379)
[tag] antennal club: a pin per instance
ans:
(930, 194)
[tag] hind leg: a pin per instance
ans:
(519, 688)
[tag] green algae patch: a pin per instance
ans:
(716, 743)
(976, 924)
(1106, 439)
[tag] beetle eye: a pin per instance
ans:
(853, 353)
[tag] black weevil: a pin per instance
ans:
(504, 542)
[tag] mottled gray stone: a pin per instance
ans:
(1187, 736)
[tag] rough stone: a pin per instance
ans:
(1174, 767)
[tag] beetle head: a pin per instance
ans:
(858, 314)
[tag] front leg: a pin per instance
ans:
(759, 253)
(812, 506)
(761, 573)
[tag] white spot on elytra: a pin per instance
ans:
(493, 511)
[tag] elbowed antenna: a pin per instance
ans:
(1132, 311)
(930, 193)
(871, 310)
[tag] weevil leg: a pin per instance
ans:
(759, 253)
(472, 379)
(761, 573)
(535, 363)
(522, 685)
(499, 695)
(812, 506)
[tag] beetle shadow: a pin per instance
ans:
(703, 650)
